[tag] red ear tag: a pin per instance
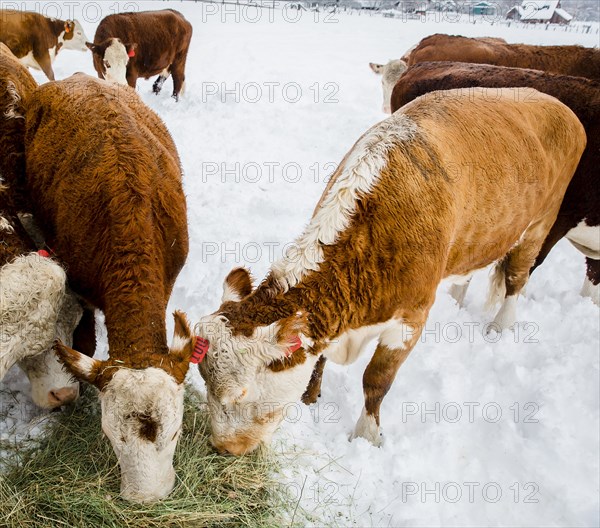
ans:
(43, 253)
(200, 350)
(295, 344)
(131, 53)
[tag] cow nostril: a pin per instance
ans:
(219, 449)
(62, 396)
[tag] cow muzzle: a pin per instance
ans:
(145, 490)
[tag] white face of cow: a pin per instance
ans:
(112, 57)
(142, 413)
(390, 74)
(73, 37)
(51, 385)
(247, 400)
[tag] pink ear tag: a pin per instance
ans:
(131, 53)
(200, 350)
(295, 344)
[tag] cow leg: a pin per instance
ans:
(178, 73)
(458, 291)
(393, 348)
(42, 57)
(131, 77)
(158, 84)
(591, 284)
(559, 229)
(512, 272)
(84, 336)
(313, 391)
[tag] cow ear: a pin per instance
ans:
(377, 68)
(92, 47)
(69, 26)
(131, 49)
(237, 285)
(290, 328)
(183, 341)
(81, 366)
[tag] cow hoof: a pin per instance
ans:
(367, 428)
(176, 97)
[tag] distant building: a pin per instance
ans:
(484, 8)
(539, 12)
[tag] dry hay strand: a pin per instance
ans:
(72, 479)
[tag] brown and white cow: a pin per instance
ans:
(579, 215)
(431, 193)
(108, 194)
(131, 45)
(35, 307)
(567, 60)
(36, 40)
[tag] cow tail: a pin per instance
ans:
(497, 288)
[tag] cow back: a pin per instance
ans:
(581, 95)
(568, 60)
(105, 177)
(22, 30)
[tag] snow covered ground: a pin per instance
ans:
(477, 432)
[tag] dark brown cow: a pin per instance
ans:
(36, 40)
(131, 45)
(107, 190)
(579, 216)
(34, 304)
(567, 60)
(398, 216)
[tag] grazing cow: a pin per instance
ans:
(403, 211)
(567, 60)
(108, 194)
(131, 45)
(579, 215)
(34, 307)
(36, 40)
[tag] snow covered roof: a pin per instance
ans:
(541, 10)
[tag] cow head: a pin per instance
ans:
(390, 74)
(252, 372)
(111, 58)
(33, 307)
(51, 385)
(73, 37)
(142, 411)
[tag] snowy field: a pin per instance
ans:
(478, 431)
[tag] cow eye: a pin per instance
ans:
(106, 64)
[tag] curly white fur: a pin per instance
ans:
(359, 175)
(35, 309)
